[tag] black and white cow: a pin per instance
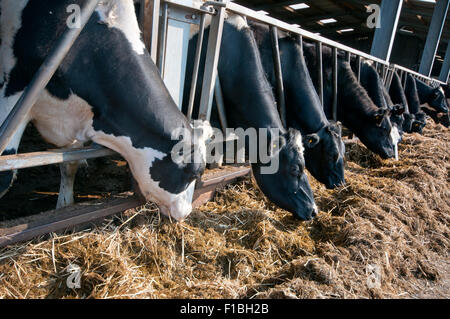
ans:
(397, 95)
(434, 97)
(250, 103)
(412, 96)
(372, 83)
(107, 90)
(324, 149)
(433, 102)
(355, 109)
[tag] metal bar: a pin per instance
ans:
(414, 73)
(278, 74)
(211, 63)
(40, 80)
(162, 42)
(220, 105)
(66, 218)
(434, 36)
(348, 56)
(358, 68)
(319, 51)
(19, 161)
(85, 214)
(445, 70)
(385, 74)
(335, 83)
(153, 33)
(385, 35)
(389, 79)
(198, 53)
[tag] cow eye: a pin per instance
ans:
(295, 170)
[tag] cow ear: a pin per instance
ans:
(335, 127)
(398, 109)
(379, 115)
(311, 140)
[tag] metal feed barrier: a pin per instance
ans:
(156, 18)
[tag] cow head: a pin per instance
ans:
(437, 100)
(408, 120)
(288, 187)
(419, 122)
(324, 154)
(378, 133)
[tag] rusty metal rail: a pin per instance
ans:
(85, 214)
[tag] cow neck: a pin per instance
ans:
(397, 92)
(248, 96)
(353, 101)
(304, 108)
(412, 95)
(371, 81)
(423, 91)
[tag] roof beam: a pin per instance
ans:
(385, 35)
(445, 71)
(434, 36)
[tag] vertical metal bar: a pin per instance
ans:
(319, 49)
(348, 56)
(385, 35)
(300, 40)
(335, 83)
(198, 53)
(278, 74)
(220, 105)
(162, 38)
(389, 78)
(153, 37)
(40, 80)
(385, 73)
(404, 80)
(149, 20)
(445, 70)
(358, 68)
(211, 63)
(434, 36)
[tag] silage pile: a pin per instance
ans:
(391, 215)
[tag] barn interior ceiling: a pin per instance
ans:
(345, 21)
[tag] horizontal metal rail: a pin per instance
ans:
(85, 214)
(417, 74)
(27, 160)
(241, 10)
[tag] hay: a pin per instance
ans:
(394, 215)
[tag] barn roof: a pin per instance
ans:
(351, 18)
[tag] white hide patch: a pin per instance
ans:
(121, 14)
(237, 20)
(10, 23)
(395, 137)
(64, 123)
(298, 141)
